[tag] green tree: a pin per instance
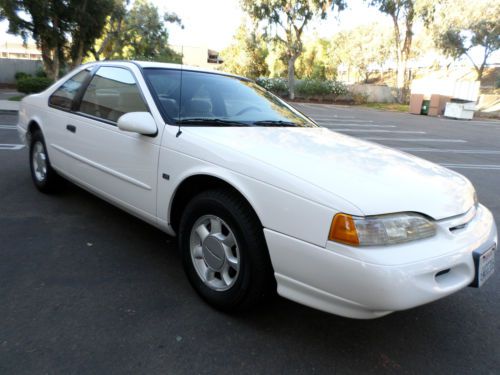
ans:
(111, 41)
(285, 21)
(87, 26)
(362, 48)
(276, 60)
(139, 33)
(63, 30)
(247, 54)
(316, 62)
(145, 34)
(403, 14)
(457, 35)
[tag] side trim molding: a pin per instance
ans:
(102, 168)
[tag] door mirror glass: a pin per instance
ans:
(138, 122)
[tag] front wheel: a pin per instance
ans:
(224, 251)
(42, 174)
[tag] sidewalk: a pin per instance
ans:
(7, 105)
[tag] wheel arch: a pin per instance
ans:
(33, 126)
(195, 184)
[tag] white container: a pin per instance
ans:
(463, 111)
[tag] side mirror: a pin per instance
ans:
(138, 122)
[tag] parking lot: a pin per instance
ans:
(87, 288)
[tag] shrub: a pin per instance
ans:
(316, 87)
(359, 98)
(41, 73)
(277, 86)
(32, 85)
(21, 75)
(312, 87)
(337, 88)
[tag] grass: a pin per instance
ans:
(395, 107)
(16, 98)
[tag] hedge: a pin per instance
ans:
(304, 88)
(315, 87)
(21, 75)
(278, 86)
(32, 85)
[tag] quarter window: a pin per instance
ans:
(112, 93)
(64, 96)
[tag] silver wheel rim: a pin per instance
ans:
(214, 252)
(39, 161)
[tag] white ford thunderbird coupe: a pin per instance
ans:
(260, 197)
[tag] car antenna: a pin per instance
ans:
(179, 131)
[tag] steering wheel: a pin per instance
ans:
(250, 108)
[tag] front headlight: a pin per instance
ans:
(380, 230)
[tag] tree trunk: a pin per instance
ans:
(49, 65)
(291, 76)
(401, 79)
(79, 56)
(57, 64)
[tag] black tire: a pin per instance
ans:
(255, 278)
(45, 179)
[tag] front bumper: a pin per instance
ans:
(368, 283)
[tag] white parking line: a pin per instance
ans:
(473, 123)
(10, 147)
(328, 125)
(8, 127)
(415, 139)
(318, 118)
(440, 150)
(472, 166)
(377, 131)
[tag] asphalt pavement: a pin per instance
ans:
(88, 289)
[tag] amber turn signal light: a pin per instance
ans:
(343, 230)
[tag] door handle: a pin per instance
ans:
(71, 128)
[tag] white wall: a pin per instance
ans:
(9, 67)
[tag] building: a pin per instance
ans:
(200, 56)
(18, 50)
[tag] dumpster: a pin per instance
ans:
(425, 107)
(460, 109)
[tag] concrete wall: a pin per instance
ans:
(373, 93)
(489, 105)
(9, 67)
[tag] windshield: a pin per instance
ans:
(206, 99)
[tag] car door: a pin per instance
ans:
(57, 117)
(121, 166)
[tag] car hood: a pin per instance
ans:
(374, 178)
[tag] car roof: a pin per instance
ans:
(153, 64)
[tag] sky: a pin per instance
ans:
(213, 23)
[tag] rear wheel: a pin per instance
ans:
(42, 174)
(224, 251)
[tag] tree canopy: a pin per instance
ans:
(247, 54)
(63, 30)
(362, 49)
(457, 35)
(284, 22)
(139, 33)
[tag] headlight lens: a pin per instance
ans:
(380, 230)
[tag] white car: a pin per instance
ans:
(260, 197)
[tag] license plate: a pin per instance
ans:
(485, 266)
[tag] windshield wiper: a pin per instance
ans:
(210, 122)
(274, 123)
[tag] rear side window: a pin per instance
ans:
(64, 96)
(112, 93)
